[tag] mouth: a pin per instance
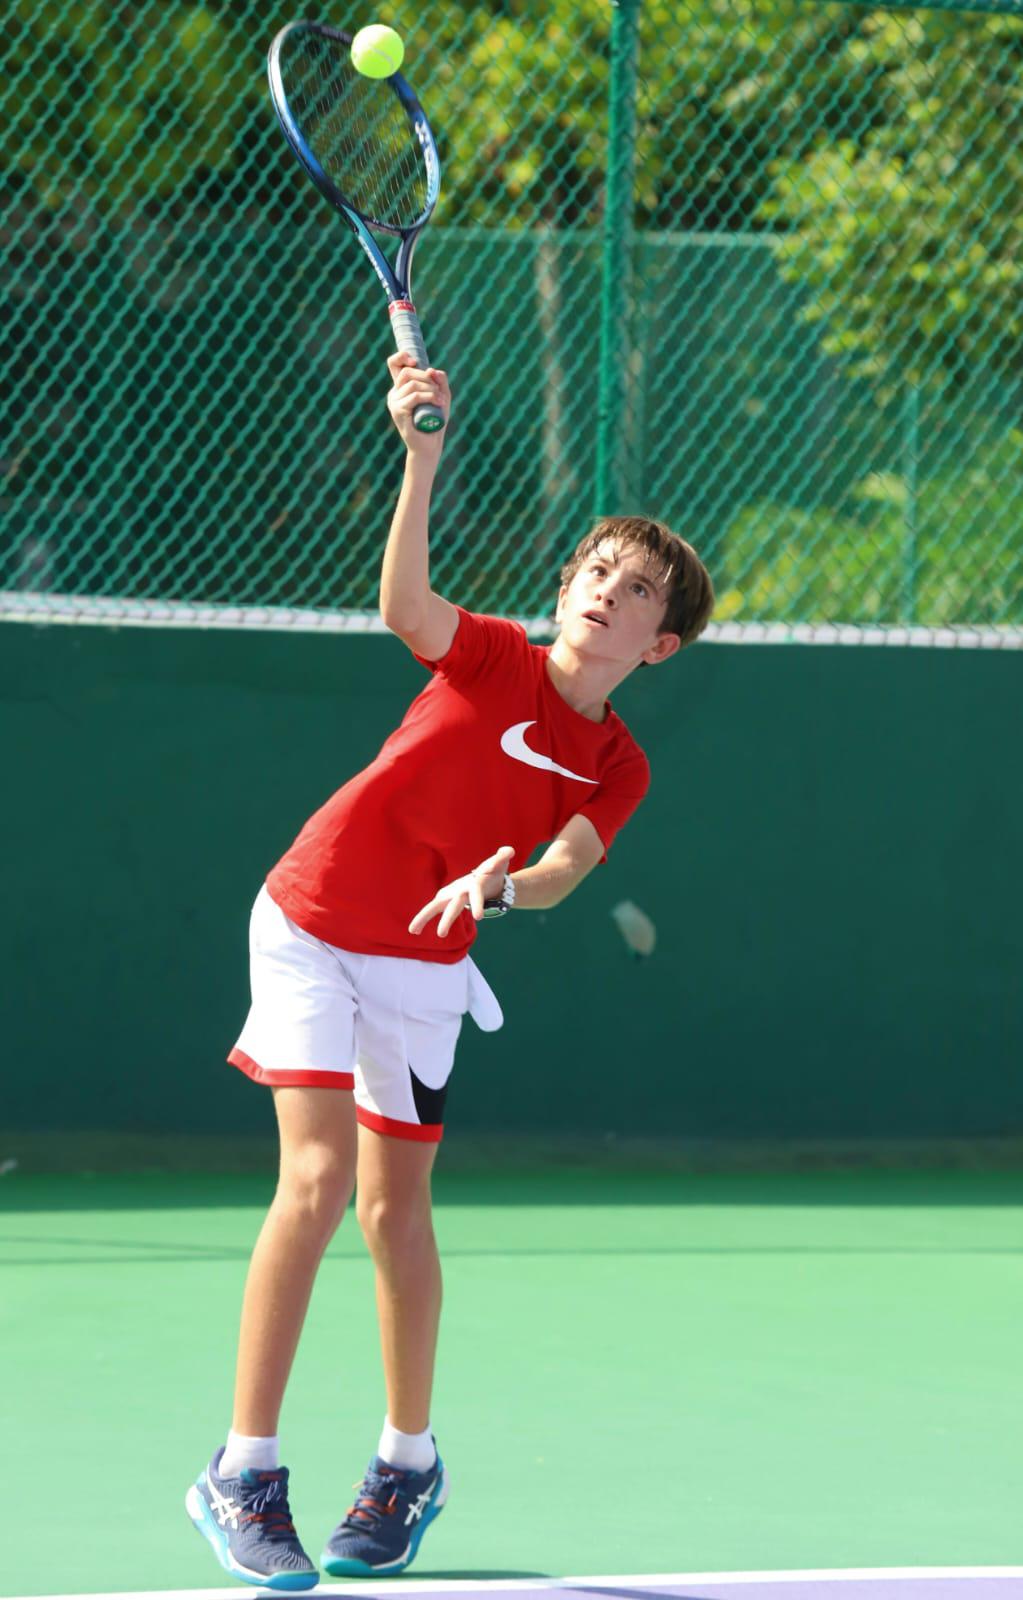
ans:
(595, 617)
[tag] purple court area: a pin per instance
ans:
(883, 1586)
(823, 1588)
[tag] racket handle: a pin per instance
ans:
(408, 336)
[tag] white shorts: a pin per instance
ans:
(384, 1026)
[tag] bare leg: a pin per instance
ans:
(395, 1214)
(318, 1155)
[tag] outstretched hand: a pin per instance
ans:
(466, 893)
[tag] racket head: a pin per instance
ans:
(365, 142)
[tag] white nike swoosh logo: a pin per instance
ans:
(513, 743)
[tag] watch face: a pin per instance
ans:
(503, 903)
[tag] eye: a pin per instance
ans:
(641, 588)
(597, 568)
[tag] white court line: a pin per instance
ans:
(645, 1580)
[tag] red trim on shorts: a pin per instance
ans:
(423, 1132)
(299, 1079)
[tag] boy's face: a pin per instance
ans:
(613, 608)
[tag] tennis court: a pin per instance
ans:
(954, 1584)
(730, 1210)
(801, 1376)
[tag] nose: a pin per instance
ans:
(606, 592)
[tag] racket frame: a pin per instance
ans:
(397, 280)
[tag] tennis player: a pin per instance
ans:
(361, 975)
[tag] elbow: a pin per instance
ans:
(398, 619)
(404, 609)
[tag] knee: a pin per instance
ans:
(393, 1223)
(318, 1182)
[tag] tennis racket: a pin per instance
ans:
(367, 146)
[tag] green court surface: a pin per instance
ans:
(640, 1372)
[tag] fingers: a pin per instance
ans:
(498, 862)
(465, 894)
(414, 386)
(399, 359)
(453, 910)
(451, 904)
(421, 392)
(424, 916)
(402, 365)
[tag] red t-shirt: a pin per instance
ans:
(488, 754)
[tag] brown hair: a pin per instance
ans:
(690, 591)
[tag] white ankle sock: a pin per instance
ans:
(244, 1451)
(411, 1452)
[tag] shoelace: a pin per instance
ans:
(268, 1503)
(377, 1498)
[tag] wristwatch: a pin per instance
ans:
(504, 901)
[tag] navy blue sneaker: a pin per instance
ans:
(381, 1532)
(248, 1522)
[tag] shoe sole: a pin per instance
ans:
(346, 1567)
(199, 1512)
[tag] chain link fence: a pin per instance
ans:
(749, 266)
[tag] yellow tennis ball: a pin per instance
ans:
(377, 51)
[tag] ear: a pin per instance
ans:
(664, 645)
(562, 592)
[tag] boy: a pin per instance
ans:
(361, 975)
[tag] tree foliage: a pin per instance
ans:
(884, 148)
(910, 239)
(878, 152)
(890, 553)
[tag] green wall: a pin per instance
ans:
(831, 851)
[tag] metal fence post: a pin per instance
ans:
(910, 459)
(617, 252)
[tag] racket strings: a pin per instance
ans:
(358, 131)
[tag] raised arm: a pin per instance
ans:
(408, 605)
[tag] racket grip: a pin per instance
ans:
(408, 336)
